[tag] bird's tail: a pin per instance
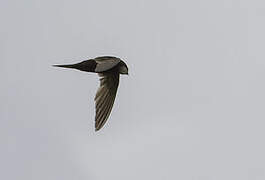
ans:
(67, 66)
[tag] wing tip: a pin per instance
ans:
(97, 128)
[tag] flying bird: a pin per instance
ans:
(109, 69)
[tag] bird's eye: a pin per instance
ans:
(123, 70)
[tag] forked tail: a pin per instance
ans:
(66, 66)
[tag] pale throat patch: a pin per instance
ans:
(104, 65)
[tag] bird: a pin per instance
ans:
(108, 69)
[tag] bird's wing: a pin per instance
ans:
(105, 97)
(105, 63)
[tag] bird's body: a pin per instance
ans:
(109, 69)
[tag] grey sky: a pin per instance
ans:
(191, 109)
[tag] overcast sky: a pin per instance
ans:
(192, 107)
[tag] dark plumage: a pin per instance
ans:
(109, 69)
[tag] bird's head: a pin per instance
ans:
(123, 69)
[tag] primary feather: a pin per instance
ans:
(105, 97)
